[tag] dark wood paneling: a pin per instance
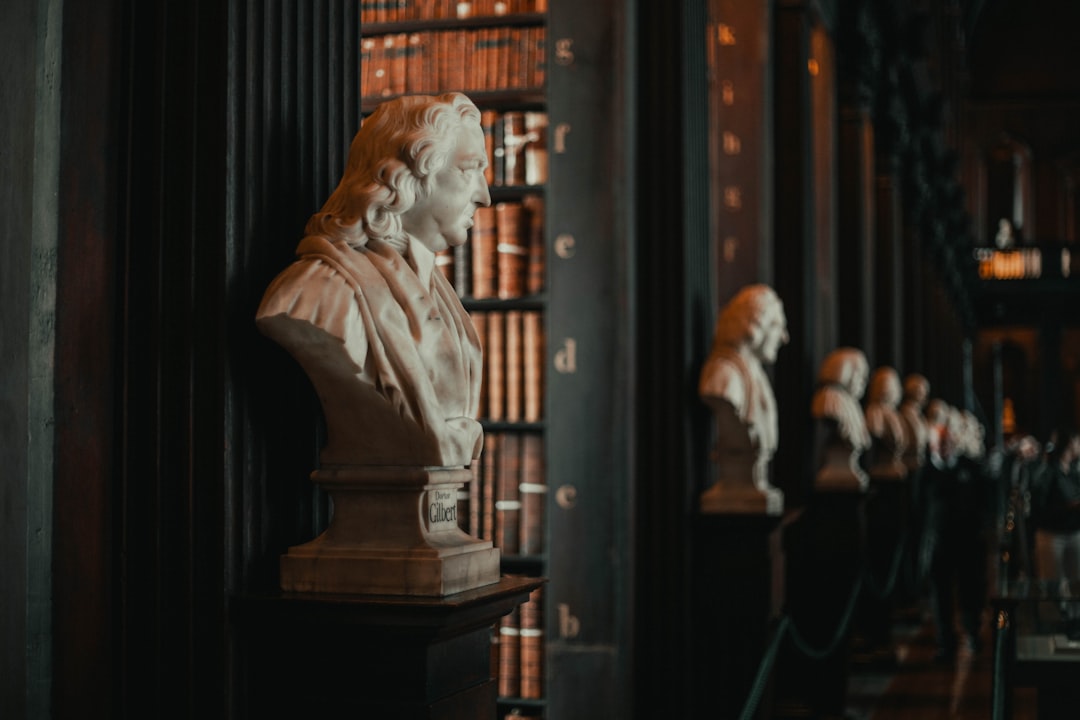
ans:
(198, 138)
(18, 280)
(86, 388)
(674, 321)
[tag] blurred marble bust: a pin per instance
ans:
(841, 425)
(883, 422)
(916, 394)
(749, 333)
(384, 339)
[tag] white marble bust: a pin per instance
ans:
(916, 393)
(392, 353)
(749, 332)
(886, 428)
(843, 436)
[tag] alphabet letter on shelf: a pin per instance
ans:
(564, 245)
(569, 626)
(566, 357)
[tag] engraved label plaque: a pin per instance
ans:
(441, 510)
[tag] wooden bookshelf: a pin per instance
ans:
(563, 418)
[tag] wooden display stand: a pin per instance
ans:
(887, 513)
(377, 656)
(824, 550)
(737, 600)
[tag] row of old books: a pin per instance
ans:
(504, 257)
(512, 342)
(516, 144)
(505, 501)
(376, 11)
(434, 61)
(517, 651)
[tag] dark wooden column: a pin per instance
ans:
(888, 309)
(857, 199)
(795, 251)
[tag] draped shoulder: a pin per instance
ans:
(314, 291)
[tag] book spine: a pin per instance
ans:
(510, 654)
(532, 362)
(399, 66)
(484, 247)
(514, 52)
(500, 153)
(489, 473)
(496, 365)
(480, 322)
(512, 251)
(514, 148)
(488, 118)
(475, 498)
(508, 499)
(533, 209)
(514, 362)
(367, 58)
(531, 646)
(533, 494)
(536, 154)
(539, 68)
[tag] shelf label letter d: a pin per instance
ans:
(566, 357)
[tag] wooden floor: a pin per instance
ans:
(918, 687)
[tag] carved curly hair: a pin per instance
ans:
(392, 163)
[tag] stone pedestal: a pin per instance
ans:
(394, 531)
(743, 498)
(824, 559)
(368, 656)
(886, 531)
(738, 596)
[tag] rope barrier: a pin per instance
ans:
(998, 701)
(752, 700)
(894, 571)
(787, 626)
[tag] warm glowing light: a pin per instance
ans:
(812, 66)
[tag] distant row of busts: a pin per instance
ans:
(886, 440)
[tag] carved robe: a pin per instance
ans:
(396, 365)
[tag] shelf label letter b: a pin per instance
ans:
(569, 626)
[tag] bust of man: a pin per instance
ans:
(843, 436)
(749, 333)
(389, 348)
(916, 393)
(887, 436)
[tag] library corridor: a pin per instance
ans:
(919, 688)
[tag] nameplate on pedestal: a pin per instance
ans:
(394, 531)
(441, 510)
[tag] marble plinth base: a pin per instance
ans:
(840, 479)
(394, 531)
(738, 597)
(824, 550)
(371, 656)
(741, 499)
